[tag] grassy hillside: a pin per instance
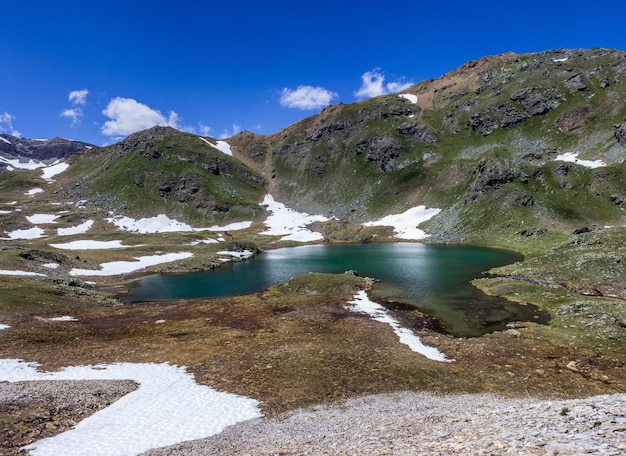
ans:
(162, 170)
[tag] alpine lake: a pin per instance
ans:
(432, 278)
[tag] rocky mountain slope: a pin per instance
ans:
(44, 151)
(481, 142)
(499, 144)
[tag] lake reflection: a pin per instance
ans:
(433, 278)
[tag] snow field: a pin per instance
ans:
(169, 407)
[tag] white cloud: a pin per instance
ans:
(6, 125)
(306, 97)
(129, 116)
(73, 113)
(373, 85)
(78, 97)
(205, 130)
(227, 134)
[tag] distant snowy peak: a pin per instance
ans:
(19, 153)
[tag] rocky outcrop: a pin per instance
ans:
(420, 132)
(575, 119)
(537, 100)
(384, 150)
(327, 131)
(620, 133)
(492, 174)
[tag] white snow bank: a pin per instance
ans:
(50, 171)
(16, 163)
(285, 221)
(405, 224)
(571, 157)
(222, 146)
(410, 97)
(20, 273)
(231, 226)
(159, 224)
(42, 218)
(78, 229)
(241, 255)
(34, 191)
(4, 326)
(92, 245)
(28, 233)
(5, 212)
(124, 267)
(362, 303)
(64, 318)
(169, 407)
(205, 241)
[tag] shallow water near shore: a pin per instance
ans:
(433, 278)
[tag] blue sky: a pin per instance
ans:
(98, 71)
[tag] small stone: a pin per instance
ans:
(572, 365)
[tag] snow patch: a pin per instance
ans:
(34, 191)
(16, 163)
(410, 97)
(20, 273)
(405, 224)
(241, 255)
(78, 229)
(5, 140)
(572, 158)
(362, 303)
(42, 218)
(4, 326)
(159, 224)
(92, 245)
(292, 224)
(113, 268)
(5, 212)
(49, 172)
(564, 59)
(64, 318)
(232, 226)
(29, 233)
(205, 241)
(169, 407)
(222, 146)
(51, 265)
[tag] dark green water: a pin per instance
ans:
(433, 278)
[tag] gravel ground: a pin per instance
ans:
(414, 423)
(31, 411)
(406, 423)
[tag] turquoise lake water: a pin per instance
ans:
(433, 278)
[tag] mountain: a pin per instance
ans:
(481, 142)
(14, 151)
(164, 170)
(502, 145)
